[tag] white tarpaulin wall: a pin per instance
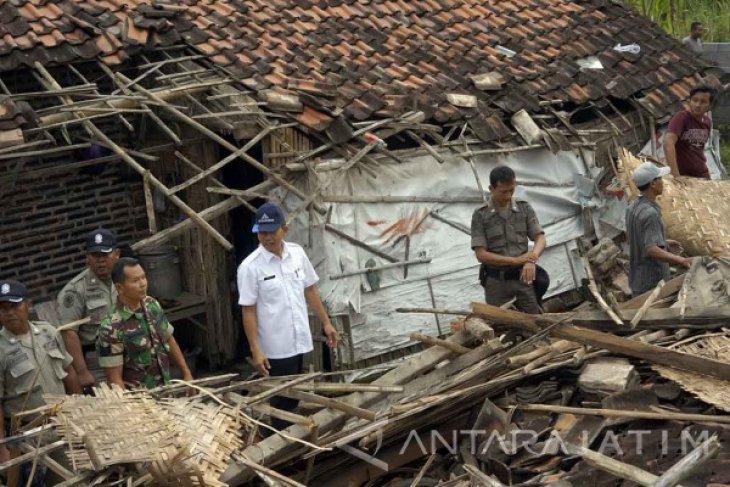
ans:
(548, 181)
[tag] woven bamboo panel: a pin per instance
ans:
(711, 390)
(171, 441)
(696, 212)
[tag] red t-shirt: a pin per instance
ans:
(692, 135)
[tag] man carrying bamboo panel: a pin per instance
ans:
(688, 132)
(135, 343)
(89, 294)
(499, 237)
(649, 258)
(33, 362)
(275, 284)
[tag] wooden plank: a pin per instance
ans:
(616, 344)
(689, 464)
(612, 466)
(671, 287)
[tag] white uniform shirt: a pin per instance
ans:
(276, 286)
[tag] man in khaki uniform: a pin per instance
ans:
(91, 294)
(499, 233)
(25, 348)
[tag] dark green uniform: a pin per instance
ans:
(505, 231)
(137, 340)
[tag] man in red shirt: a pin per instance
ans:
(689, 130)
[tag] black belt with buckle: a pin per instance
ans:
(88, 348)
(507, 274)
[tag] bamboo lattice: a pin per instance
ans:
(711, 390)
(170, 441)
(695, 211)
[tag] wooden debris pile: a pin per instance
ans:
(514, 399)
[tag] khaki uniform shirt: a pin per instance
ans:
(21, 357)
(504, 232)
(86, 295)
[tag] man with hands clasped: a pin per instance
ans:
(500, 230)
(276, 282)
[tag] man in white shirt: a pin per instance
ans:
(275, 284)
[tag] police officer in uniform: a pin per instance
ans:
(91, 294)
(26, 347)
(499, 234)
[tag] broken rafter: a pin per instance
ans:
(137, 167)
(213, 180)
(153, 116)
(223, 142)
(359, 243)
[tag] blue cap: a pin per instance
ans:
(269, 218)
(12, 291)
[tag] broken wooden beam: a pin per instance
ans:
(613, 343)
(690, 463)
(432, 341)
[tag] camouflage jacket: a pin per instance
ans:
(127, 339)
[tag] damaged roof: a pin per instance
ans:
(379, 58)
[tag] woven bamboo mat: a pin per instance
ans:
(713, 391)
(170, 441)
(696, 211)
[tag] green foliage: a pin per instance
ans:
(675, 16)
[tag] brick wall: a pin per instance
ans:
(45, 213)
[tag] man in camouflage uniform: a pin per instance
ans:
(33, 361)
(89, 294)
(499, 233)
(135, 343)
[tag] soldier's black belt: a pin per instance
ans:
(508, 274)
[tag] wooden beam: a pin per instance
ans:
(613, 343)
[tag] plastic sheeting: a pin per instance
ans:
(550, 182)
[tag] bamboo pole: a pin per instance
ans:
(43, 152)
(220, 164)
(223, 142)
(379, 268)
(153, 116)
(165, 95)
(141, 170)
(214, 181)
(149, 203)
(620, 413)
(440, 311)
(276, 389)
(359, 243)
(330, 403)
(399, 199)
(596, 294)
(455, 225)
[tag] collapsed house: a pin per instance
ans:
(375, 124)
